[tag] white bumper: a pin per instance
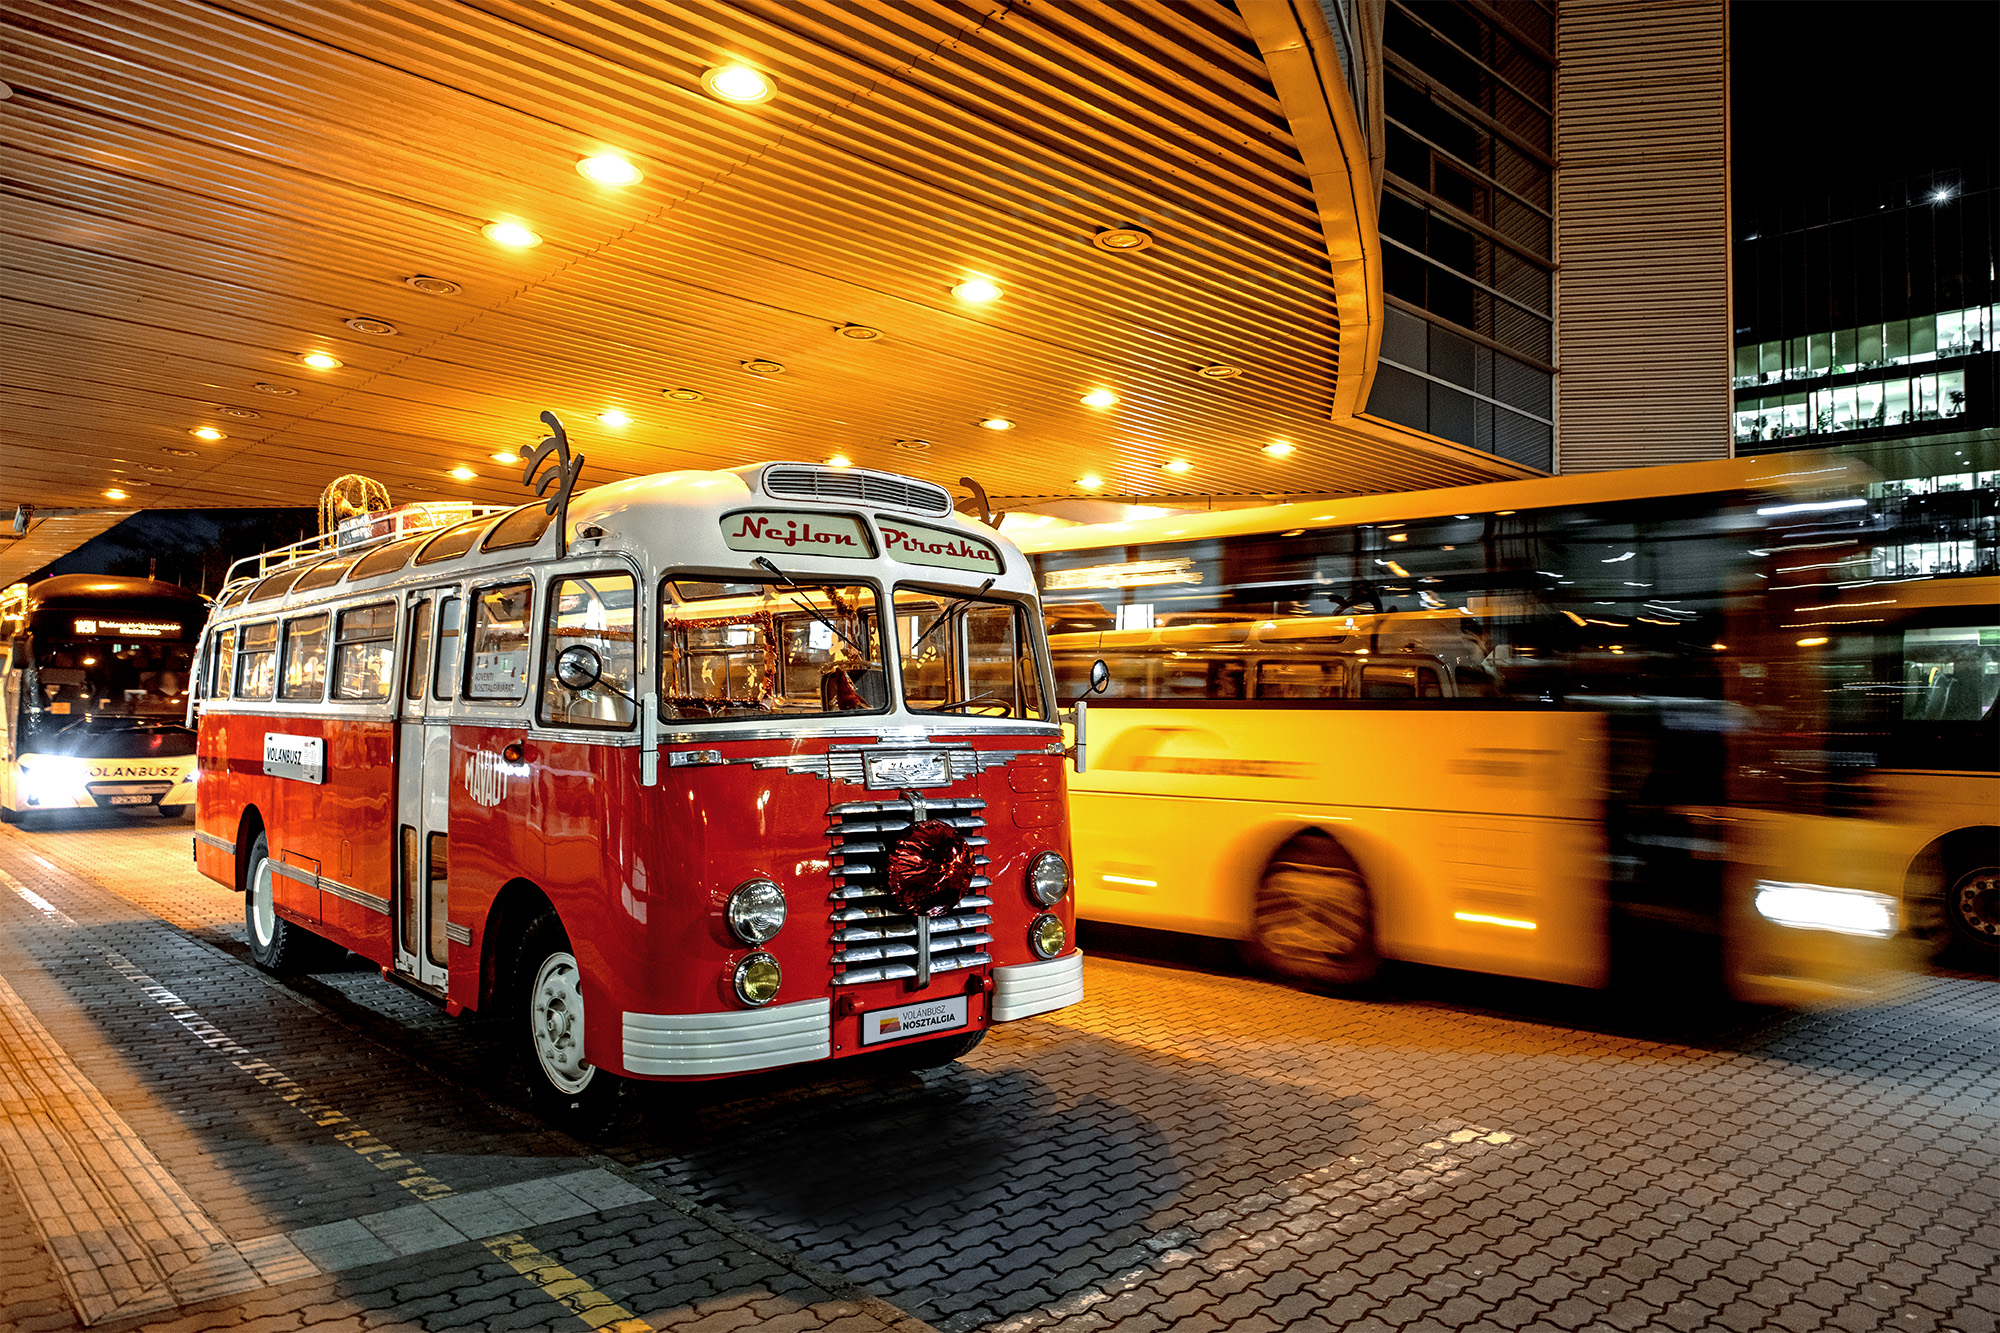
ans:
(1026, 989)
(681, 1045)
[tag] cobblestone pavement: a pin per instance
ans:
(1190, 1149)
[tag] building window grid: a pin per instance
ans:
(1502, 41)
(1487, 179)
(1868, 405)
(1897, 342)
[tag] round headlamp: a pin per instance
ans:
(1047, 937)
(1048, 879)
(757, 979)
(756, 911)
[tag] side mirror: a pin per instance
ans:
(578, 666)
(1100, 676)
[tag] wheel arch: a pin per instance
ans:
(519, 902)
(248, 826)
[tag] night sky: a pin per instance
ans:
(1825, 97)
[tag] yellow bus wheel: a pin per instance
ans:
(1314, 919)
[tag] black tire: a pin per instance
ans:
(1314, 920)
(1972, 909)
(276, 945)
(174, 811)
(547, 1017)
(937, 1052)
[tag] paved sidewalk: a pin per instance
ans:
(1187, 1149)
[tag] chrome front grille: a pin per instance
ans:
(875, 940)
(857, 486)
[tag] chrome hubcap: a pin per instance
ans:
(555, 1019)
(263, 913)
(1977, 901)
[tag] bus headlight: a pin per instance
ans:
(757, 979)
(1818, 907)
(1048, 879)
(756, 911)
(1047, 936)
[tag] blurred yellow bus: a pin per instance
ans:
(1914, 665)
(1542, 729)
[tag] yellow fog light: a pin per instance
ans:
(1047, 936)
(757, 979)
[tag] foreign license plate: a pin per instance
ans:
(131, 800)
(909, 768)
(922, 1019)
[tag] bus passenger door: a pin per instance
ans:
(423, 785)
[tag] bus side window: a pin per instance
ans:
(1301, 680)
(500, 643)
(444, 683)
(364, 652)
(257, 661)
(420, 650)
(1472, 683)
(221, 665)
(1380, 681)
(596, 612)
(305, 658)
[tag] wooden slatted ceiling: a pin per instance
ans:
(196, 194)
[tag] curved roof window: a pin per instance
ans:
(386, 559)
(278, 584)
(456, 540)
(523, 527)
(324, 574)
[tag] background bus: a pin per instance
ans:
(93, 695)
(1522, 728)
(1914, 668)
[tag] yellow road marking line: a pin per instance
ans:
(593, 1307)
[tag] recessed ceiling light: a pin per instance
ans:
(114, 494)
(279, 390)
(505, 456)
(760, 366)
(1219, 372)
(1099, 398)
(1123, 240)
(683, 395)
(1279, 448)
(463, 473)
(181, 453)
(976, 288)
(609, 169)
(997, 423)
(375, 328)
(738, 83)
(1178, 465)
(430, 286)
(614, 419)
(914, 446)
(840, 460)
(240, 413)
(510, 234)
(414, 487)
(208, 433)
(1090, 481)
(321, 361)
(861, 333)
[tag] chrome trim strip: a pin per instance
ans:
(1023, 990)
(309, 878)
(684, 1045)
(210, 840)
(333, 886)
(456, 933)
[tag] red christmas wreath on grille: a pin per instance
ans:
(930, 868)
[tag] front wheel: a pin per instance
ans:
(549, 1016)
(1314, 920)
(276, 945)
(1972, 906)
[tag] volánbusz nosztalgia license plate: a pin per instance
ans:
(922, 1019)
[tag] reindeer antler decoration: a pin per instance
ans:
(562, 476)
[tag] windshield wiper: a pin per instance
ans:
(763, 562)
(961, 703)
(944, 614)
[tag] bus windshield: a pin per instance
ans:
(104, 678)
(968, 655)
(746, 649)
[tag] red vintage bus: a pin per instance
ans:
(719, 772)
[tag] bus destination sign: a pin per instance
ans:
(109, 627)
(797, 533)
(301, 758)
(916, 544)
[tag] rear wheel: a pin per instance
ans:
(549, 1018)
(1314, 920)
(1972, 906)
(276, 945)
